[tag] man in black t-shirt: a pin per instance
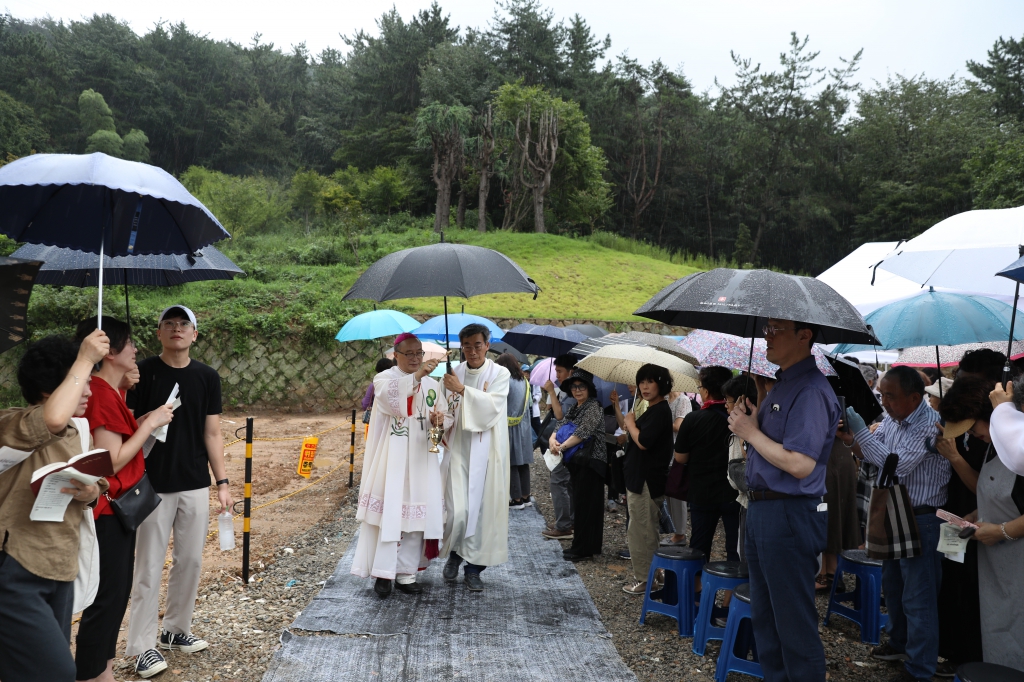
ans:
(179, 469)
(703, 445)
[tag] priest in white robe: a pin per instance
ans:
(476, 436)
(401, 494)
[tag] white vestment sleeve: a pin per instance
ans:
(1006, 427)
(392, 391)
(483, 411)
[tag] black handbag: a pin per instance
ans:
(135, 504)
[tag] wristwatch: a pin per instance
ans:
(222, 481)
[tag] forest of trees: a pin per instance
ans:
(533, 118)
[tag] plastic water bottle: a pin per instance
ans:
(226, 531)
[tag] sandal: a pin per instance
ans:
(824, 581)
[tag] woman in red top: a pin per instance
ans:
(115, 429)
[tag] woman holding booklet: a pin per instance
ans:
(39, 559)
(114, 428)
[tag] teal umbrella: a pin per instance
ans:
(938, 319)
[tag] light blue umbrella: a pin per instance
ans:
(434, 328)
(937, 319)
(376, 324)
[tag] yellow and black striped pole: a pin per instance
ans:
(248, 501)
(352, 453)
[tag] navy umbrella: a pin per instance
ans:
(67, 267)
(16, 276)
(543, 339)
(99, 204)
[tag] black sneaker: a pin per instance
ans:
(150, 663)
(473, 582)
(451, 570)
(945, 669)
(187, 643)
(623, 554)
(886, 652)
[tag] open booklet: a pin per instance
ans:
(47, 481)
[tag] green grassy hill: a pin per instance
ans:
(295, 283)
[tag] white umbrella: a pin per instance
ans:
(619, 364)
(963, 253)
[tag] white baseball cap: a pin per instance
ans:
(175, 308)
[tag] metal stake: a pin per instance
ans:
(352, 453)
(248, 501)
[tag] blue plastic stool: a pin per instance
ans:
(866, 597)
(739, 636)
(717, 575)
(681, 564)
(987, 672)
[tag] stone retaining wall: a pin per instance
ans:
(290, 374)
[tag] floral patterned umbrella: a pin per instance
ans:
(726, 350)
(949, 356)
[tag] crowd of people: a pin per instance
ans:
(787, 476)
(88, 393)
(773, 460)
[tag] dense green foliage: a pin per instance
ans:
(791, 166)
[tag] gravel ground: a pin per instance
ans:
(244, 625)
(655, 651)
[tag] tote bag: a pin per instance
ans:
(892, 531)
(87, 582)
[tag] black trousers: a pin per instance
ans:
(35, 625)
(588, 510)
(97, 633)
(703, 521)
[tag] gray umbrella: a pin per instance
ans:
(662, 343)
(592, 331)
(500, 347)
(592, 345)
(442, 269)
(740, 302)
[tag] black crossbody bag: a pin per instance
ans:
(135, 504)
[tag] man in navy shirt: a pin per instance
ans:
(789, 437)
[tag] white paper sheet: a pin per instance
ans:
(51, 503)
(9, 457)
(160, 434)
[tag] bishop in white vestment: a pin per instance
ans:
(476, 436)
(400, 494)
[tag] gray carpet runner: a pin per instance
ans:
(534, 622)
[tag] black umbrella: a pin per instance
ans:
(442, 269)
(849, 382)
(500, 347)
(16, 277)
(67, 267)
(543, 339)
(740, 302)
(589, 330)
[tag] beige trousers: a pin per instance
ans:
(187, 515)
(642, 533)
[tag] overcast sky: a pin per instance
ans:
(934, 37)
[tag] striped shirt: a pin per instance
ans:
(924, 474)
